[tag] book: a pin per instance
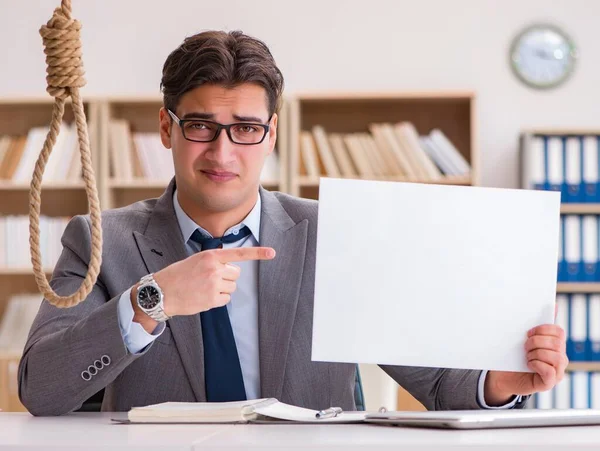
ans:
(324, 150)
(266, 410)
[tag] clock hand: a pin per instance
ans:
(543, 54)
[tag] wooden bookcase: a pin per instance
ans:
(452, 112)
(142, 115)
(17, 117)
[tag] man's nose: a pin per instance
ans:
(221, 149)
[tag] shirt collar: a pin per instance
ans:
(188, 226)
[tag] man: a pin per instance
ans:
(179, 313)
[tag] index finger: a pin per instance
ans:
(245, 253)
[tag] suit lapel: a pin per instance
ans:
(278, 290)
(162, 245)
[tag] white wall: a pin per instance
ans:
(321, 44)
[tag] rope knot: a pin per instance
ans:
(62, 46)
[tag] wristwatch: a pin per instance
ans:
(150, 299)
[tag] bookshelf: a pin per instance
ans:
(344, 113)
(452, 112)
(584, 366)
(66, 198)
(580, 209)
(581, 287)
(352, 113)
(61, 197)
(560, 159)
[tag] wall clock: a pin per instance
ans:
(543, 56)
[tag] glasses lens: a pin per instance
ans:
(200, 130)
(247, 133)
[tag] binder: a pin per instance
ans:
(554, 152)
(594, 327)
(572, 254)
(589, 247)
(534, 173)
(543, 400)
(595, 390)
(562, 312)
(562, 271)
(562, 393)
(578, 328)
(573, 170)
(579, 390)
(590, 169)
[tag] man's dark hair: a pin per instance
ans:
(221, 58)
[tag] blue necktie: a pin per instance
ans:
(222, 370)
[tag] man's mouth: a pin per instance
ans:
(218, 176)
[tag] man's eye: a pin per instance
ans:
(197, 125)
(247, 129)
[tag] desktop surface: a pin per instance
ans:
(97, 431)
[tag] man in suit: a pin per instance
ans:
(206, 294)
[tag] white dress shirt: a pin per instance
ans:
(242, 309)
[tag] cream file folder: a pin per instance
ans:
(432, 275)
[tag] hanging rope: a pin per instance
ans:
(62, 46)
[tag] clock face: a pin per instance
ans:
(543, 56)
(149, 297)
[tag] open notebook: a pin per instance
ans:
(253, 411)
(271, 411)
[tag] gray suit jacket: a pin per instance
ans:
(145, 237)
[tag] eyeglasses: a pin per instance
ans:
(201, 131)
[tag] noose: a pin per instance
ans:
(62, 46)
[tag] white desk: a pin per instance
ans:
(83, 431)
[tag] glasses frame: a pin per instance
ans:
(219, 126)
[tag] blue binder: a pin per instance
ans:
(572, 170)
(573, 250)
(589, 247)
(562, 272)
(546, 184)
(590, 390)
(554, 154)
(578, 328)
(594, 327)
(591, 168)
(535, 163)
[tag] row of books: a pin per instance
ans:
(579, 248)
(137, 155)
(141, 155)
(9, 386)
(578, 390)
(16, 321)
(18, 155)
(14, 241)
(579, 316)
(388, 150)
(569, 164)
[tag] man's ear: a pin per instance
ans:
(166, 126)
(273, 132)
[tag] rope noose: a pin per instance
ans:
(62, 46)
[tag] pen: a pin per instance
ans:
(329, 413)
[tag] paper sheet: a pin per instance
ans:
(432, 275)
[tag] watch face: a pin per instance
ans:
(148, 297)
(543, 56)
